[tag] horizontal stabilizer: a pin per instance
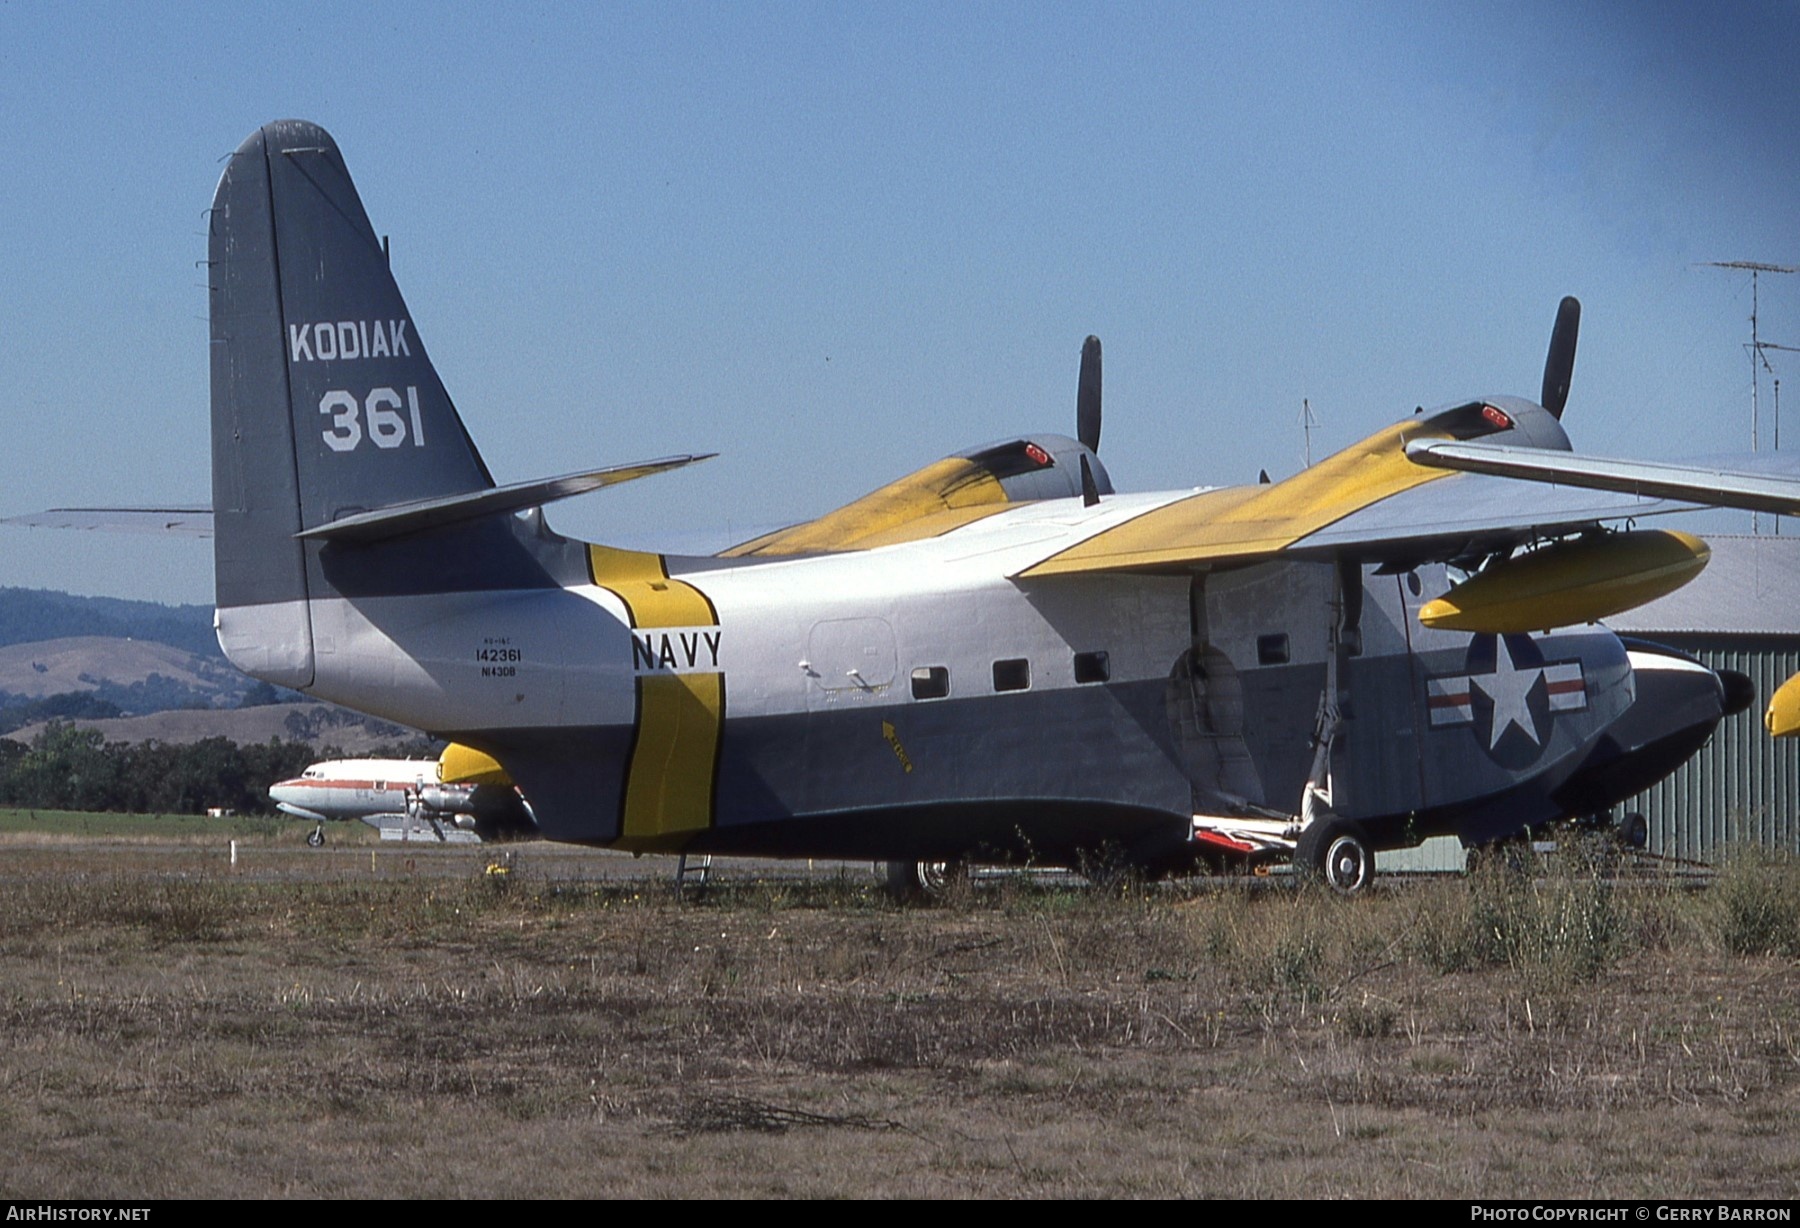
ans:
(419, 515)
(180, 521)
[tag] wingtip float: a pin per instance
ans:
(1782, 718)
(1570, 583)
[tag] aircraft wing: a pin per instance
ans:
(1768, 482)
(942, 496)
(1369, 502)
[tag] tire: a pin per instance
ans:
(1634, 831)
(922, 881)
(1337, 853)
(315, 838)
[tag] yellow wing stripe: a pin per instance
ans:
(910, 509)
(671, 775)
(1247, 522)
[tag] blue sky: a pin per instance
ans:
(833, 242)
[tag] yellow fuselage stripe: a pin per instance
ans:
(670, 779)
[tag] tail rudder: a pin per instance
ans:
(324, 402)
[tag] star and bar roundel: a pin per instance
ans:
(1509, 694)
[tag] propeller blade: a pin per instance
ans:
(1090, 493)
(1087, 396)
(1559, 364)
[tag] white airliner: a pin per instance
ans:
(403, 799)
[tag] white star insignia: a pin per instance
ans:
(1509, 687)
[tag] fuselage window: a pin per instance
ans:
(1092, 667)
(930, 682)
(1272, 649)
(1012, 675)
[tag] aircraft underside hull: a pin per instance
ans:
(1039, 827)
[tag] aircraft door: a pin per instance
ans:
(1205, 702)
(1378, 764)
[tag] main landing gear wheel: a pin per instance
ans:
(1338, 854)
(1634, 832)
(922, 880)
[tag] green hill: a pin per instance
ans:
(28, 615)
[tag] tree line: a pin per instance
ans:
(69, 768)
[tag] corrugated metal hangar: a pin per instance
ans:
(1741, 613)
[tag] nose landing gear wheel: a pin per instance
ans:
(1336, 853)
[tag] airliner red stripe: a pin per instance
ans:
(385, 786)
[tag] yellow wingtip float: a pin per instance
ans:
(1571, 583)
(465, 765)
(1782, 719)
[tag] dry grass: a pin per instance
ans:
(170, 1029)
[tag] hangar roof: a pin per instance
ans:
(1751, 587)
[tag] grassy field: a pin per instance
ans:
(39, 826)
(384, 1022)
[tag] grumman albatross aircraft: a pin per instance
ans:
(995, 657)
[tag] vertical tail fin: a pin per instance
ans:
(323, 400)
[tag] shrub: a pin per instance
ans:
(1755, 903)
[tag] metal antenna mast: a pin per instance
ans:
(1307, 422)
(1758, 362)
